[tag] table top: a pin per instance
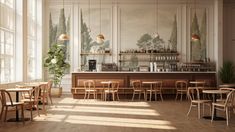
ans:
(227, 86)
(197, 82)
(32, 84)
(18, 89)
(150, 82)
(216, 91)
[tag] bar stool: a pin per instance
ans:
(89, 86)
(155, 87)
(181, 88)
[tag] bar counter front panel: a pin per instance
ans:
(125, 78)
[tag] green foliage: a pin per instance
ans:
(226, 73)
(55, 63)
(134, 62)
(145, 41)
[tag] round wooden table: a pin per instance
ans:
(196, 83)
(227, 86)
(214, 97)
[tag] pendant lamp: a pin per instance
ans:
(100, 37)
(195, 37)
(63, 36)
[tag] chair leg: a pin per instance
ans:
(31, 111)
(133, 96)
(22, 113)
(50, 99)
(5, 117)
(189, 109)
(181, 96)
(113, 96)
(88, 95)
(118, 96)
(176, 95)
(161, 95)
(105, 96)
(212, 114)
(94, 95)
(227, 118)
(1, 113)
(155, 94)
(150, 96)
(139, 95)
(199, 111)
(85, 95)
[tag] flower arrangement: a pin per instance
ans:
(55, 63)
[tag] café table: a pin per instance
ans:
(17, 91)
(214, 98)
(151, 83)
(196, 83)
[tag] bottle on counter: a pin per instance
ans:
(155, 66)
(151, 66)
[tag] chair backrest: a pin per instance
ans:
(49, 86)
(230, 98)
(136, 84)
(193, 93)
(89, 84)
(34, 93)
(229, 89)
(114, 85)
(181, 85)
(157, 85)
(4, 96)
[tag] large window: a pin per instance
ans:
(34, 45)
(7, 40)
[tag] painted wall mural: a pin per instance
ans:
(59, 22)
(198, 48)
(90, 28)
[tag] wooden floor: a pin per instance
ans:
(69, 115)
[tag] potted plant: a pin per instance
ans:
(56, 65)
(226, 73)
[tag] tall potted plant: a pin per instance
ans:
(56, 64)
(226, 73)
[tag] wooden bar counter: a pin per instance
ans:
(125, 78)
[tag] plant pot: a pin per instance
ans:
(56, 92)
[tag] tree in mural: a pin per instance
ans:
(203, 36)
(51, 39)
(195, 45)
(173, 38)
(145, 41)
(157, 43)
(62, 25)
(67, 42)
(85, 40)
(133, 64)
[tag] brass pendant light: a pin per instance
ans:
(63, 36)
(100, 37)
(195, 37)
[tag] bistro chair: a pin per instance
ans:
(181, 88)
(113, 89)
(137, 89)
(89, 86)
(194, 96)
(4, 96)
(225, 106)
(33, 100)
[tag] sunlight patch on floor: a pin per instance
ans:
(120, 122)
(108, 110)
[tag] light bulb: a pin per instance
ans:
(195, 37)
(100, 38)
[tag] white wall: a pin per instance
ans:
(184, 13)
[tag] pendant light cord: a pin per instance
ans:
(157, 15)
(89, 12)
(100, 16)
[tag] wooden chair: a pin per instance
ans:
(225, 106)
(89, 86)
(113, 89)
(137, 89)
(33, 100)
(181, 88)
(5, 104)
(194, 96)
(221, 95)
(155, 89)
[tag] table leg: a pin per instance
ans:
(17, 112)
